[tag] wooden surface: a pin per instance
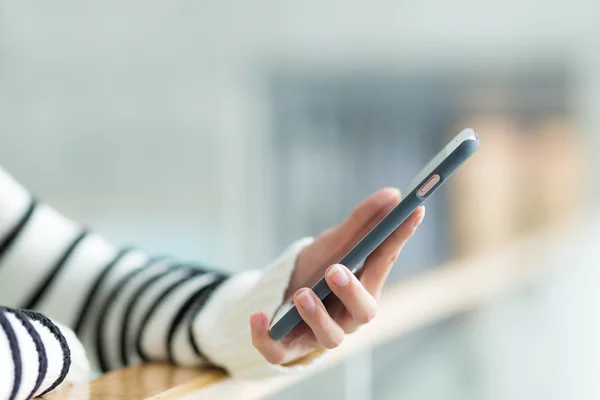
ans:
(405, 306)
(141, 382)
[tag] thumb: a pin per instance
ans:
(360, 221)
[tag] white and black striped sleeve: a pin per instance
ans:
(124, 305)
(36, 355)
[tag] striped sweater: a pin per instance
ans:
(68, 296)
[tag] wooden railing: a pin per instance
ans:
(405, 307)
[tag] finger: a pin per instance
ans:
(379, 263)
(273, 351)
(313, 312)
(366, 210)
(360, 221)
(359, 303)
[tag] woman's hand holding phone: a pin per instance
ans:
(374, 233)
(358, 295)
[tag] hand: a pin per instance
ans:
(358, 295)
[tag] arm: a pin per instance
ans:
(124, 305)
(128, 307)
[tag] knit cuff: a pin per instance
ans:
(222, 329)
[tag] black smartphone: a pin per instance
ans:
(435, 173)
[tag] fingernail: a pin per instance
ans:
(256, 321)
(419, 218)
(338, 275)
(306, 301)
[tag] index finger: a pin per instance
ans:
(379, 263)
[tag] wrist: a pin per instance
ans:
(222, 329)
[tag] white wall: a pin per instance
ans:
(112, 108)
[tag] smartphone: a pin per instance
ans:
(435, 173)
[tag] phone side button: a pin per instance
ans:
(427, 186)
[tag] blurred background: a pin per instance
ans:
(221, 131)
